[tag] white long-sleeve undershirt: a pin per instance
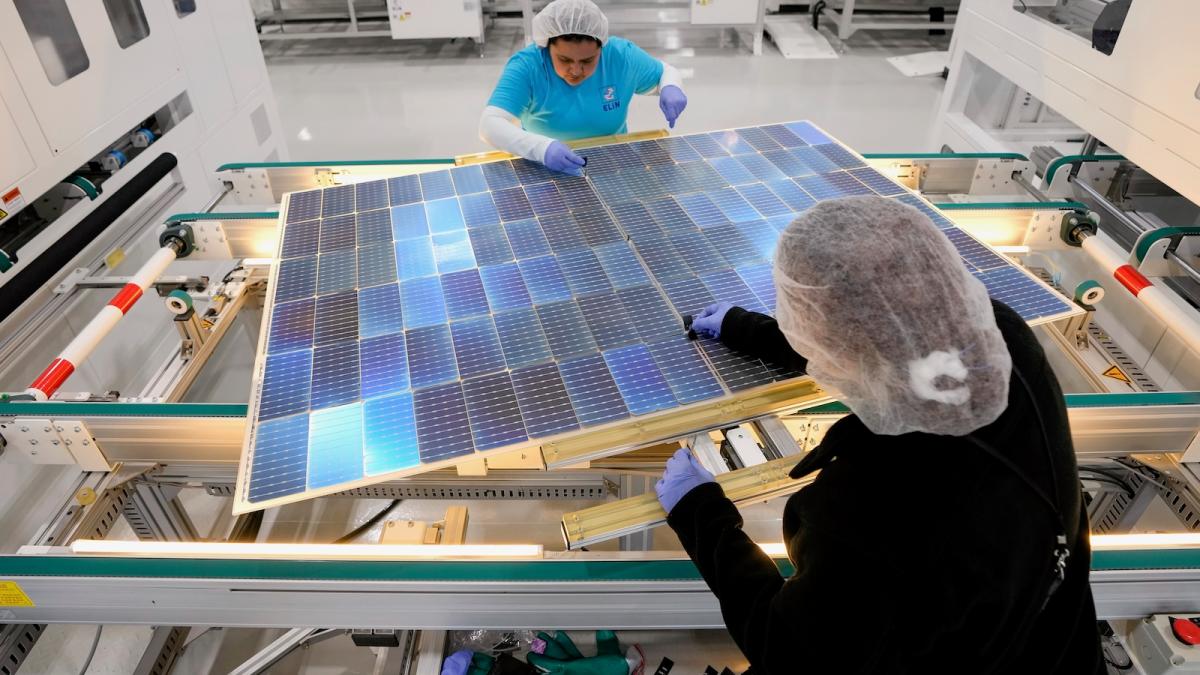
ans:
(502, 130)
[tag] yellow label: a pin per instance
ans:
(3, 214)
(11, 595)
(115, 258)
(1117, 374)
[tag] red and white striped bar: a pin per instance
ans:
(101, 325)
(1178, 318)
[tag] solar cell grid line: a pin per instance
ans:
(376, 264)
(500, 175)
(335, 378)
(512, 204)
(597, 227)
(436, 185)
(701, 210)
(493, 410)
(790, 193)
(445, 215)
(761, 167)
(821, 187)
(527, 239)
(389, 434)
(545, 199)
(679, 149)
(688, 295)
(733, 171)
(297, 279)
(974, 253)
(304, 206)
(737, 371)
(577, 193)
(430, 352)
(651, 153)
(814, 160)
(529, 173)
(759, 139)
(443, 425)
(696, 252)
(674, 178)
(404, 190)
(380, 311)
(732, 245)
(280, 458)
(337, 271)
(464, 294)
(566, 330)
(490, 245)
(609, 158)
(784, 136)
(383, 365)
(593, 393)
(763, 200)
(656, 318)
(848, 184)
(300, 240)
(335, 446)
(521, 337)
(919, 204)
(414, 258)
(468, 180)
(730, 140)
(543, 400)
(370, 195)
(688, 375)
(336, 318)
(729, 287)
(762, 236)
(409, 222)
(584, 273)
(504, 287)
(544, 279)
(701, 176)
(373, 227)
(788, 163)
(662, 259)
(452, 252)
(478, 210)
(562, 232)
(641, 384)
(879, 183)
(809, 133)
(622, 266)
(287, 383)
(840, 156)
(761, 282)
(641, 183)
(338, 233)
(607, 321)
(1022, 293)
(731, 204)
(337, 201)
(708, 146)
(477, 347)
(422, 302)
(669, 215)
(634, 220)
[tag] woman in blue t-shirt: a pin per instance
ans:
(573, 82)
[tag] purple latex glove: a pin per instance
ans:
(708, 323)
(457, 663)
(560, 158)
(672, 101)
(683, 473)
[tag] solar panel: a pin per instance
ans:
(417, 321)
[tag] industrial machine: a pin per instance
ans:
(127, 412)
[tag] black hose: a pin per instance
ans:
(54, 259)
(370, 522)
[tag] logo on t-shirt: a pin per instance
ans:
(609, 94)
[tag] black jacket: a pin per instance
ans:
(915, 553)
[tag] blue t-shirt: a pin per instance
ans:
(530, 90)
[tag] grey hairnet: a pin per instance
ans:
(570, 17)
(890, 320)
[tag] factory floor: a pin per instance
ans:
(374, 98)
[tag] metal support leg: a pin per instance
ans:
(846, 20)
(776, 439)
(16, 641)
(284, 645)
(632, 486)
(165, 646)
(431, 649)
(706, 451)
(527, 20)
(156, 514)
(759, 27)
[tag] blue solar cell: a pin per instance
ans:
(696, 252)
(727, 286)
(494, 412)
(808, 133)
(543, 400)
(452, 251)
(728, 143)
(711, 145)
(384, 365)
(490, 245)
(593, 393)
(477, 347)
(732, 170)
(297, 278)
(651, 153)
(621, 266)
(500, 175)
(443, 426)
(783, 136)
(758, 138)
(823, 187)
(878, 182)
(301, 240)
(436, 185)
(733, 245)
(642, 386)
(304, 206)
(655, 318)
(780, 223)
(674, 178)
(688, 295)
(760, 280)
(337, 201)
(1025, 296)
(662, 259)
(423, 302)
(338, 233)
(479, 210)
(701, 210)
(522, 338)
(409, 222)
(380, 311)
(762, 235)
(335, 378)
(763, 200)
(370, 195)
(374, 227)
(545, 199)
(606, 319)
(597, 227)
(577, 193)
(701, 176)
(336, 318)
(430, 353)
(737, 371)
(530, 173)
(566, 330)
(337, 271)
(977, 255)
(936, 216)
(468, 180)
(504, 287)
(512, 204)
(563, 233)
(404, 190)
(584, 273)
(609, 159)
(797, 200)
(761, 167)
(389, 434)
(376, 264)
(679, 149)
(280, 461)
(611, 188)
(444, 215)
(287, 381)
(788, 163)
(635, 220)
(840, 156)
(815, 161)
(464, 294)
(414, 258)
(687, 374)
(527, 239)
(544, 279)
(669, 215)
(641, 183)
(732, 205)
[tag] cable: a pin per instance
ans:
(1109, 481)
(87, 663)
(1111, 475)
(1024, 7)
(368, 524)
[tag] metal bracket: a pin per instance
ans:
(63, 442)
(80, 278)
(156, 514)
(166, 644)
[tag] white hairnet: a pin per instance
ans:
(570, 17)
(890, 320)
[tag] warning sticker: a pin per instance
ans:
(11, 595)
(1117, 374)
(3, 214)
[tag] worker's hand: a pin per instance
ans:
(672, 101)
(683, 473)
(560, 158)
(562, 656)
(708, 322)
(466, 662)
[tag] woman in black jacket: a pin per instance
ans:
(946, 531)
